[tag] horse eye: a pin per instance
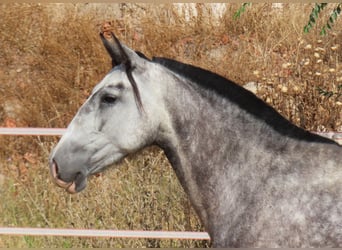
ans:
(108, 99)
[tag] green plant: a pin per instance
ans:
(329, 93)
(29, 241)
(241, 10)
(315, 14)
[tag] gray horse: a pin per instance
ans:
(254, 178)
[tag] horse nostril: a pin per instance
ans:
(78, 175)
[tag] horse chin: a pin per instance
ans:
(71, 189)
(77, 185)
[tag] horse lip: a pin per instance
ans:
(63, 184)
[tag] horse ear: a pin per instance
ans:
(113, 49)
(119, 53)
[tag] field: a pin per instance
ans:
(51, 57)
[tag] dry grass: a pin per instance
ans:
(49, 64)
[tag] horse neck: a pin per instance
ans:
(206, 136)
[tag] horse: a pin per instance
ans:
(254, 178)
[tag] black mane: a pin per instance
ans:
(241, 97)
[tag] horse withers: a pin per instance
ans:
(254, 178)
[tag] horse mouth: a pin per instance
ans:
(73, 187)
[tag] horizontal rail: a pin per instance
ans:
(103, 233)
(337, 136)
(32, 131)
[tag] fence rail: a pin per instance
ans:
(103, 233)
(32, 131)
(337, 136)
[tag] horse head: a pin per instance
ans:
(118, 118)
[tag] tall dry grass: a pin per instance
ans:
(50, 61)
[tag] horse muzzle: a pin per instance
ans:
(72, 187)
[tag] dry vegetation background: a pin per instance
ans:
(51, 57)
